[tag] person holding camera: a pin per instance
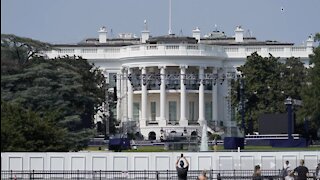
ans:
(182, 166)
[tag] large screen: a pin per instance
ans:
(274, 124)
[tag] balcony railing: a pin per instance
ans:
(152, 122)
(265, 51)
(179, 50)
(173, 123)
(140, 50)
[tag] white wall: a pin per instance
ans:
(155, 161)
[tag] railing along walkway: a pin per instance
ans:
(139, 175)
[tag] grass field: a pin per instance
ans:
(220, 148)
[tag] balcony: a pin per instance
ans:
(264, 51)
(152, 123)
(140, 50)
(194, 123)
(179, 50)
(173, 123)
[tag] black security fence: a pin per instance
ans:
(140, 175)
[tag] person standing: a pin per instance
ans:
(257, 173)
(285, 169)
(302, 171)
(182, 166)
(287, 165)
(318, 171)
(215, 144)
(203, 176)
(290, 175)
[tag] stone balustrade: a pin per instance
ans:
(180, 50)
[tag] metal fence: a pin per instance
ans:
(140, 175)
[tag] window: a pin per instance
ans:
(208, 111)
(172, 111)
(191, 110)
(89, 50)
(153, 111)
(66, 51)
(253, 49)
(136, 109)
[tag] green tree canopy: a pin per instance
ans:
(25, 130)
(21, 49)
(267, 83)
(311, 91)
(68, 86)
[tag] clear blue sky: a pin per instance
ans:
(70, 21)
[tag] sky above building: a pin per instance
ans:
(70, 21)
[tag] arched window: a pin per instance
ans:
(152, 135)
(194, 135)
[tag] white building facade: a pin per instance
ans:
(174, 84)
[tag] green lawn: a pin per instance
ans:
(269, 148)
(220, 148)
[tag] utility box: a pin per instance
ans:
(119, 144)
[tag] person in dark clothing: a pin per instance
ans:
(302, 171)
(182, 166)
(318, 171)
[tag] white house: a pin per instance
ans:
(175, 83)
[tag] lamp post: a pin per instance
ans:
(288, 103)
(106, 109)
(242, 105)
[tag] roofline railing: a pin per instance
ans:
(179, 50)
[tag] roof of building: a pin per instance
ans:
(247, 41)
(211, 39)
(172, 39)
(112, 42)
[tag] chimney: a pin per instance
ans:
(309, 44)
(102, 35)
(145, 34)
(196, 34)
(239, 34)
(310, 41)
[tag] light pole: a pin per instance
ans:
(106, 109)
(288, 103)
(242, 105)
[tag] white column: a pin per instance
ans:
(130, 98)
(118, 84)
(144, 100)
(215, 99)
(124, 96)
(163, 121)
(201, 97)
(183, 119)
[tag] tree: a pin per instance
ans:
(68, 86)
(21, 49)
(58, 86)
(25, 130)
(259, 76)
(311, 92)
(267, 83)
(317, 37)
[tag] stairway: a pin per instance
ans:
(213, 129)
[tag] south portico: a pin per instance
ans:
(165, 98)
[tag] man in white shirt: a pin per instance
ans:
(286, 169)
